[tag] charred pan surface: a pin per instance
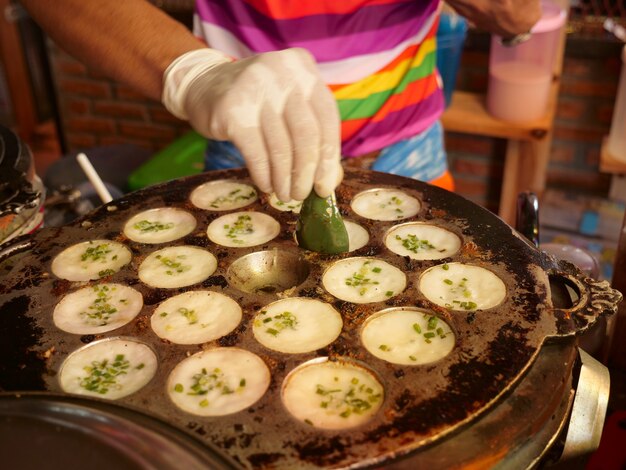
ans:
(423, 404)
(21, 367)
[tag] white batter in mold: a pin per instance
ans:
(357, 235)
(218, 382)
(196, 317)
(332, 395)
(363, 280)
(223, 195)
(160, 225)
(407, 336)
(243, 229)
(297, 325)
(462, 287)
(385, 204)
(97, 309)
(110, 368)
(177, 266)
(90, 260)
(422, 241)
(290, 206)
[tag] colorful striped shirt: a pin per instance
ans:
(377, 56)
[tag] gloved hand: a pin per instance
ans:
(274, 107)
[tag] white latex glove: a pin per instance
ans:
(274, 107)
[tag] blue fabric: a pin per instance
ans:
(421, 157)
(220, 155)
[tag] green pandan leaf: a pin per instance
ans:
(320, 226)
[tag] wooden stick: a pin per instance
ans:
(95, 179)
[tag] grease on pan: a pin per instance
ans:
(90, 260)
(195, 317)
(97, 309)
(218, 382)
(160, 225)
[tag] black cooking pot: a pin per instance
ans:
(439, 414)
(21, 191)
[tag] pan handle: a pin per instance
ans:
(527, 216)
(589, 409)
(589, 299)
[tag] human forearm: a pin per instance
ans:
(130, 40)
(503, 17)
(275, 107)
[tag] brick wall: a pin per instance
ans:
(583, 119)
(96, 111)
(589, 81)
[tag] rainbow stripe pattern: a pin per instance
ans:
(377, 56)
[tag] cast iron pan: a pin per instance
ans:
(423, 404)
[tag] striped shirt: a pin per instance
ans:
(377, 56)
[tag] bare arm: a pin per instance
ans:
(503, 17)
(129, 40)
(275, 107)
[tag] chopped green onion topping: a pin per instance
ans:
(146, 226)
(205, 382)
(234, 196)
(414, 244)
(96, 253)
(242, 226)
(279, 322)
(190, 315)
(100, 311)
(102, 375)
(354, 398)
(174, 266)
(359, 279)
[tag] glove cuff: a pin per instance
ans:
(182, 72)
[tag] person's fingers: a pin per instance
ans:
(305, 138)
(329, 171)
(251, 144)
(279, 150)
(329, 183)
